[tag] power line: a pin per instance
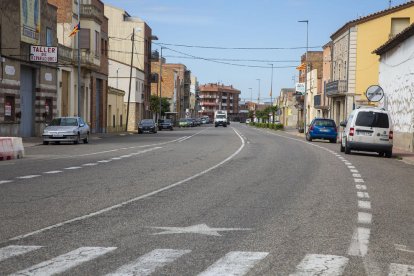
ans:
(236, 48)
(229, 59)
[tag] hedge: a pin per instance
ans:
(267, 125)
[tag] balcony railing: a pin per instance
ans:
(88, 59)
(338, 87)
(65, 53)
(91, 11)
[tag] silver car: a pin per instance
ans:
(66, 129)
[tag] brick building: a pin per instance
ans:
(27, 89)
(214, 96)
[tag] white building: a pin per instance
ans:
(396, 77)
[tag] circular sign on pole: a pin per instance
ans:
(374, 93)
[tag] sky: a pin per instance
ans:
(245, 24)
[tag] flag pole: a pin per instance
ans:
(79, 64)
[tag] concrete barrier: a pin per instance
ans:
(11, 148)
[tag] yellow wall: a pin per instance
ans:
(371, 35)
(116, 101)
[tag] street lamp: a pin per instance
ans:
(258, 96)
(306, 71)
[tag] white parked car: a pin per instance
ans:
(66, 129)
(368, 129)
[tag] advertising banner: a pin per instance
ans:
(43, 53)
(30, 21)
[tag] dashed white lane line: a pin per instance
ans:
(361, 187)
(90, 164)
(356, 175)
(125, 156)
(358, 180)
(351, 167)
(73, 168)
(364, 204)
(28, 176)
(116, 158)
(104, 161)
(359, 243)
(362, 194)
(53, 172)
(354, 170)
(364, 218)
(5, 181)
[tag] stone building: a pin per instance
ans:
(27, 88)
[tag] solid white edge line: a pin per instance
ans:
(323, 265)
(136, 198)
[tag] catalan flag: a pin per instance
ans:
(75, 30)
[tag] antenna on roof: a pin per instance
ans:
(390, 3)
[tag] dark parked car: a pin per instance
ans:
(322, 129)
(198, 121)
(165, 124)
(147, 126)
(191, 122)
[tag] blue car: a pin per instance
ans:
(322, 129)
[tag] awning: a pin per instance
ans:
(301, 67)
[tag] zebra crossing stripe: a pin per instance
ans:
(321, 265)
(234, 263)
(401, 270)
(148, 263)
(15, 250)
(65, 262)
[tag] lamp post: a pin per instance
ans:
(306, 72)
(258, 95)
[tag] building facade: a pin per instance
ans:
(214, 96)
(396, 77)
(288, 111)
(28, 89)
(116, 110)
(354, 66)
(121, 27)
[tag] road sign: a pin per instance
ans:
(374, 93)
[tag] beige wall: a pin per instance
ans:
(116, 110)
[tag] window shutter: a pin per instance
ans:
(85, 38)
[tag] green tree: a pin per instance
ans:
(251, 115)
(155, 105)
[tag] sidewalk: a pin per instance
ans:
(35, 141)
(405, 156)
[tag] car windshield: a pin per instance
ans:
(325, 123)
(183, 120)
(221, 116)
(372, 119)
(148, 121)
(64, 122)
(166, 121)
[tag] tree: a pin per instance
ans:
(155, 105)
(251, 115)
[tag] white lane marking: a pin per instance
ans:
(359, 243)
(201, 229)
(53, 172)
(15, 250)
(358, 180)
(356, 175)
(148, 263)
(184, 138)
(401, 270)
(234, 263)
(362, 194)
(5, 181)
(351, 167)
(321, 265)
(73, 168)
(104, 161)
(28, 176)
(361, 187)
(364, 218)
(364, 204)
(403, 248)
(348, 164)
(354, 170)
(116, 158)
(65, 261)
(124, 148)
(136, 198)
(90, 164)
(126, 156)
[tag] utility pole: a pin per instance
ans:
(271, 86)
(306, 72)
(130, 79)
(258, 95)
(160, 79)
(251, 94)
(79, 64)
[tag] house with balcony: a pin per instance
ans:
(215, 96)
(354, 65)
(91, 98)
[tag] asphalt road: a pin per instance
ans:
(205, 201)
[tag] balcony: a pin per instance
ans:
(88, 59)
(92, 12)
(336, 88)
(207, 97)
(65, 54)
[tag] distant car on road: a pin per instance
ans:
(198, 121)
(165, 124)
(66, 129)
(248, 121)
(147, 126)
(191, 122)
(321, 128)
(183, 122)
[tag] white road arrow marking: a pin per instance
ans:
(321, 265)
(15, 250)
(201, 229)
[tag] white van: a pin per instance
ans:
(368, 129)
(220, 118)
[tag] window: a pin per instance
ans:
(9, 109)
(49, 37)
(102, 47)
(372, 119)
(85, 40)
(398, 24)
(97, 40)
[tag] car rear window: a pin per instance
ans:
(372, 119)
(325, 123)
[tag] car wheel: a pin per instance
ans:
(45, 143)
(308, 137)
(388, 154)
(86, 139)
(347, 149)
(77, 140)
(381, 154)
(332, 140)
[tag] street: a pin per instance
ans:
(205, 201)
